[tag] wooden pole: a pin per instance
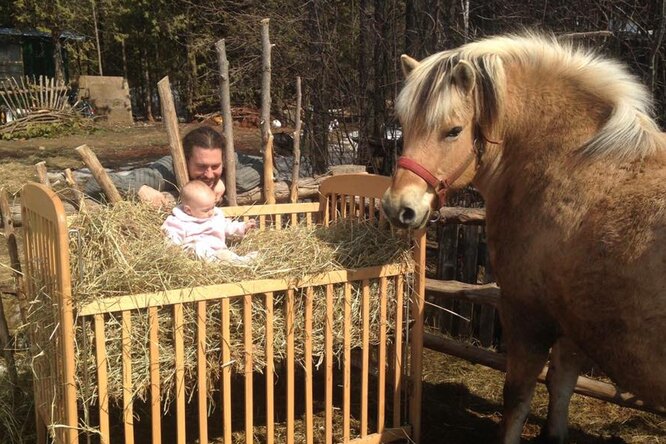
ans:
(293, 194)
(98, 172)
(225, 104)
(78, 197)
(170, 119)
(416, 339)
(42, 174)
(266, 135)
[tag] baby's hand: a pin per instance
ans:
(250, 224)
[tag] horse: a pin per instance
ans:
(562, 145)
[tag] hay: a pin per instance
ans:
(120, 250)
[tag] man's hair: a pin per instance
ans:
(203, 137)
(194, 188)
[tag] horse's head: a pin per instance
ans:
(438, 109)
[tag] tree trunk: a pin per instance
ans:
(366, 37)
(57, 56)
(99, 49)
(147, 90)
(320, 92)
(192, 73)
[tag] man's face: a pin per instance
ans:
(205, 165)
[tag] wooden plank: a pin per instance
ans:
(170, 119)
(248, 367)
(447, 262)
(346, 384)
(416, 338)
(365, 350)
(179, 351)
(128, 402)
(202, 372)
(397, 355)
(270, 398)
(291, 358)
(309, 398)
(372, 185)
(329, 364)
(223, 291)
(226, 371)
(154, 366)
(102, 380)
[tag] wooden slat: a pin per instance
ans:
(128, 403)
(371, 210)
(289, 325)
(309, 399)
(365, 366)
(225, 291)
(102, 380)
(346, 381)
(381, 377)
(372, 185)
(278, 222)
(270, 413)
(202, 372)
(249, 396)
(154, 366)
(397, 369)
(178, 333)
(343, 206)
(271, 209)
(329, 364)
(226, 371)
(334, 207)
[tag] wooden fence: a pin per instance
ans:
(29, 95)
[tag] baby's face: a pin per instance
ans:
(201, 206)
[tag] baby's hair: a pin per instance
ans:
(193, 189)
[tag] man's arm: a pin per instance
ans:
(158, 176)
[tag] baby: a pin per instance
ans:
(200, 227)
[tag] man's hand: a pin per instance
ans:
(153, 197)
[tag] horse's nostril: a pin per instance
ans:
(406, 215)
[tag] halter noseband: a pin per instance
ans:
(442, 186)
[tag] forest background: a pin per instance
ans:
(347, 52)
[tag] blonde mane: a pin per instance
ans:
(629, 133)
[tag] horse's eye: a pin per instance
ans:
(453, 132)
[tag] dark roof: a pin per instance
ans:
(15, 32)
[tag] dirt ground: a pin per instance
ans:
(115, 147)
(462, 401)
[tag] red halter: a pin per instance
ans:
(441, 186)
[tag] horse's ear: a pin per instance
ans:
(463, 76)
(408, 64)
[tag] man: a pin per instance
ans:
(203, 149)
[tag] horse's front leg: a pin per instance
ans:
(527, 351)
(566, 360)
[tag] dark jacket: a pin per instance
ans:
(160, 176)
